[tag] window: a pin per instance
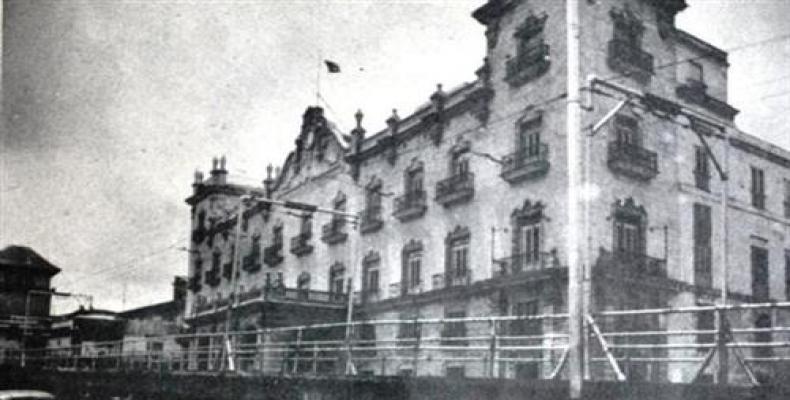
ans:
(414, 181)
(306, 227)
(336, 278)
(277, 233)
(528, 145)
(409, 328)
(303, 282)
(763, 321)
(454, 330)
(760, 275)
(702, 245)
(459, 163)
(255, 247)
(527, 235)
(628, 236)
(787, 198)
(701, 168)
(457, 256)
(758, 188)
(414, 262)
(411, 274)
(216, 258)
(455, 372)
(370, 272)
(526, 327)
(626, 131)
(695, 72)
(787, 274)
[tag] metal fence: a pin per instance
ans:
(671, 344)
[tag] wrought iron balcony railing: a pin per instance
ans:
(411, 205)
(194, 284)
(524, 262)
(371, 220)
(528, 65)
(627, 58)
(334, 232)
(212, 277)
(632, 264)
(300, 244)
(632, 160)
(702, 180)
(695, 92)
(251, 262)
(455, 189)
(526, 163)
(450, 279)
(273, 255)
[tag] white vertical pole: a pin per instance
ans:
(573, 138)
(723, 360)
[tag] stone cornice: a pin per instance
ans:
(204, 190)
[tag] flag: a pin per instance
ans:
(332, 67)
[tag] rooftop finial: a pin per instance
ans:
(222, 162)
(198, 176)
(358, 116)
(214, 163)
(269, 169)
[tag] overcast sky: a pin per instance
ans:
(110, 106)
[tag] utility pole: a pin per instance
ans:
(234, 282)
(573, 137)
(723, 371)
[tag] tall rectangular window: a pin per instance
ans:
(459, 258)
(787, 274)
(371, 272)
(530, 242)
(786, 201)
(529, 138)
(695, 72)
(702, 245)
(454, 330)
(409, 328)
(627, 130)
(760, 274)
(758, 188)
(628, 236)
(706, 321)
(413, 270)
(526, 327)
(701, 168)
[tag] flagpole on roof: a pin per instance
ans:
(318, 79)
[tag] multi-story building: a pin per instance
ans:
(24, 298)
(462, 203)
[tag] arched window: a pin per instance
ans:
(370, 274)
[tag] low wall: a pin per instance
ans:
(69, 385)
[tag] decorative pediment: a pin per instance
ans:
(628, 209)
(529, 211)
(337, 267)
(412, 246)
(414, 165)
(531, 26)
(460, 145)
(459, 233)
(371, 258)
(374, 183)
(627, 21)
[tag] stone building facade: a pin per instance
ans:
(462, 203)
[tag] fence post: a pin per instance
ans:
(295, 367)
(493, 351)
(418, 329)
(315, 359)
(721, 348)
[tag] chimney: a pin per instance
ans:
(219, 175)
(358, 133)
(198, 182)
(268, 183)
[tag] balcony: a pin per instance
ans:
(394, 290)
(523, 263)
(251, 262)
(371, 220)
(525, 164)
(410, 206)
(632, 160)
(446, 280)
(695, 92)
(273, 255)
(629, 59)
(528, 65)
(300, 244)
(281, 293)
(786, 204)
(212, 277)
(370, 295)
(334, 231)
(455, 189)
(703, 266)
(631, 265)
(194, 284)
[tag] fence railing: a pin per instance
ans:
(662, 344)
